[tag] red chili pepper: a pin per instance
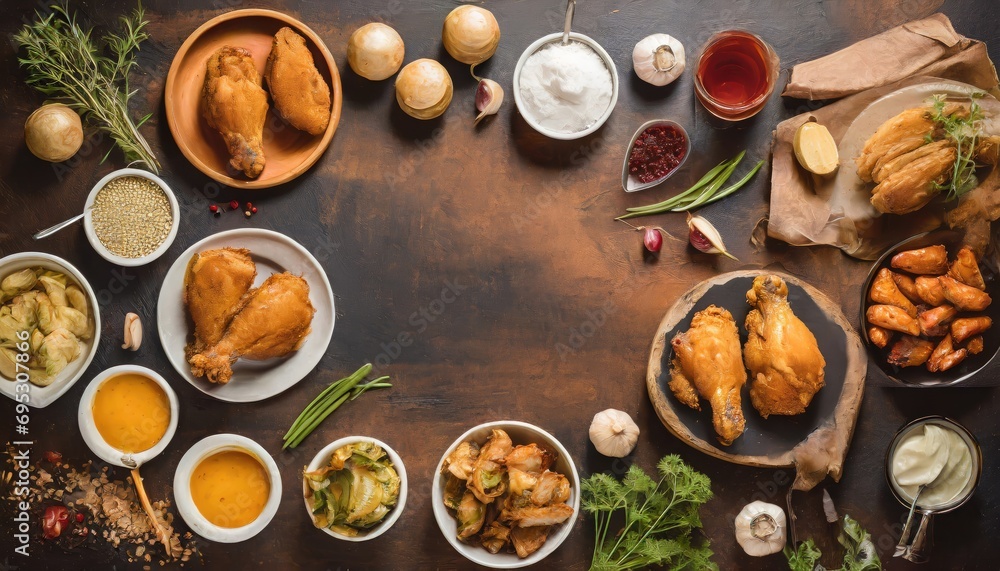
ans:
(55, 518)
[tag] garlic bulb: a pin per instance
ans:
(471, 34)
(705, 238)
(613, 433)
(53, 132)
(658, 59)
(760, 529)
(375, 51)
(424, 89)
(133, 332)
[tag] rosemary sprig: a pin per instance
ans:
(65, 63)
(964, 132)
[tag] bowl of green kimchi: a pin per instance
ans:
(355, 488)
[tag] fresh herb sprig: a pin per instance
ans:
(65, 63)
(660, 518)
(963, 130)
(707, 190)
(859, 551)
(329, 400)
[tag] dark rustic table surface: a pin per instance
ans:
(556, 305)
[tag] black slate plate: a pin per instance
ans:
(765, 441)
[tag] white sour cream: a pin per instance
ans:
(934, 456)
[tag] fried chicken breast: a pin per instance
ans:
(300, 94)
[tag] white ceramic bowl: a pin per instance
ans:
(182, 488)
(88, 221)
(534, 47)
(43, 396)
(323, 457)
(520, 433)
(92, 436)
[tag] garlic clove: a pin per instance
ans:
(489, 97)
(133, 332)
(705, 238)
(613, 433)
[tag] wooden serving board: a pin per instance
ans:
(779, 441)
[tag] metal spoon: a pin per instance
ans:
(569, 21)
(53, 229)
(901, 547)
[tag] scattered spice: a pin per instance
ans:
(233, 205)
(249, 205)
(131, 216)
(116, 516)
(254, 210)
(52, 457)
(657, 152)
(247, 213)
(213, 208)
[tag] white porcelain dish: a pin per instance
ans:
(520, 433)
(96, 442)
(88, 220)
(534, 47)
(323, 457)
(252, 380)
(182, 488)
(41, 397)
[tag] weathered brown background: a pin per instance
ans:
(397, 209)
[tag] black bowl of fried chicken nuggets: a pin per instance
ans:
(927, 312)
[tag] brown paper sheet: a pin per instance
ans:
(802, 211)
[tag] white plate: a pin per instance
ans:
(252, 380)
(41, 397)
(849, 194)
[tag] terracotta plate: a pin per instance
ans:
(288, 152)
(963, 373)
(772, 441)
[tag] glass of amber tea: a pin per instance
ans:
(736, 74)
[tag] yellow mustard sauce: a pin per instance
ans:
(131, 412)
(230, 488)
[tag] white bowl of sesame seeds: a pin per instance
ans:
(131, 217)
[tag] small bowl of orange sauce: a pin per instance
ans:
(127, 415)
(227, 488)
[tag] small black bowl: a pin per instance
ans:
(920, 376)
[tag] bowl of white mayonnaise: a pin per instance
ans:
(565, 90)
(933, 466)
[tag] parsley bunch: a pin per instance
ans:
(963, 131)
(660, 517)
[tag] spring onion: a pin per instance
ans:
(329, 400)
(707, 190)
